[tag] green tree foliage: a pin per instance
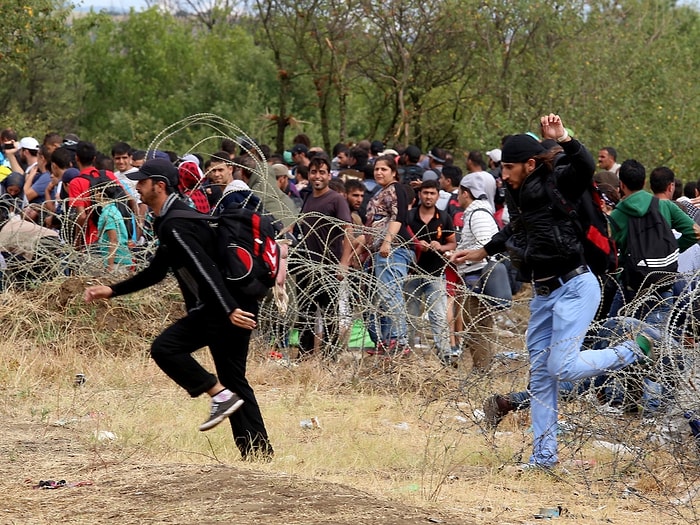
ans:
(455, 73)
(32, 59)
(154, 69)
(312, 43)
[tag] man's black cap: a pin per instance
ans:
(159, 169)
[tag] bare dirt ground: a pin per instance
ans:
(398, 444)
(135, 493)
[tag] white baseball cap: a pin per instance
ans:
(29, 143)
(494, 155)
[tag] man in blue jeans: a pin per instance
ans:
(434, 235)
(544, 245)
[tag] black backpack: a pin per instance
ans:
(410, 174)
(651, 253)
(599, 248)
(248, 253)
(118, 195)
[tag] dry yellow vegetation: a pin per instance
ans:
(395, 443)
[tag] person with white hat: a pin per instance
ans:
(29, 153)
(494, 156)
(28, 149)
(487, 279)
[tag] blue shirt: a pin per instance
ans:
(112, 219)
(41, 181)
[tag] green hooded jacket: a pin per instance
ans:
(636, 205)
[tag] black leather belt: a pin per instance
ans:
(547, 286)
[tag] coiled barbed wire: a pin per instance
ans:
(636, 421)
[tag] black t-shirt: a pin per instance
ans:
(439, 228)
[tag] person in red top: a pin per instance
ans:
(79, 199)
(190, 185)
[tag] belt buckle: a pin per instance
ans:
(543, 290)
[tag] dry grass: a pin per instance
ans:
(403, 432)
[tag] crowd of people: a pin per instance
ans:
(429, 237)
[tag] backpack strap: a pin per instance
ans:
(186, 214)
(482, 209)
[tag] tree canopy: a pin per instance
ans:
(455, 73)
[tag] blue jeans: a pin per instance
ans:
(432, 288)
(388, 320)
(655, 311)
(658, 387)
(557, 326)
(568, 390)
(492, 281)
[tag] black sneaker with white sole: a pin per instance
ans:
(220, 411)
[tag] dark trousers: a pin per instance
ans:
(314, 293)
(228, 344)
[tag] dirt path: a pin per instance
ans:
(129, 492)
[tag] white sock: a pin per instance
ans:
(222, 396)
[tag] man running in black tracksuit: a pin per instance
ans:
(217, 315)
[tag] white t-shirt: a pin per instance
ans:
(479, 227)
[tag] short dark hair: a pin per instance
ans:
(265, 150)
(354, 184)
(431, 184)
(275, 158)
(611, 151)
(632, 173)
(52, 138)
(677, 190)
(302, 138)
(320, 160)
(338, 148)
(229, 146)
(453, 173)
(85, 152)
(220, 156)
(337, 185)
(412, 153)
(104, 162)
(112, 191)
(689, 189)
(8, 134)
(302, 171)
(660, 178)
(477, 158)
(360, 155)
(62, 158)
(245, 163)
(121, 148)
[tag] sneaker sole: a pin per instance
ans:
(213, 422)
